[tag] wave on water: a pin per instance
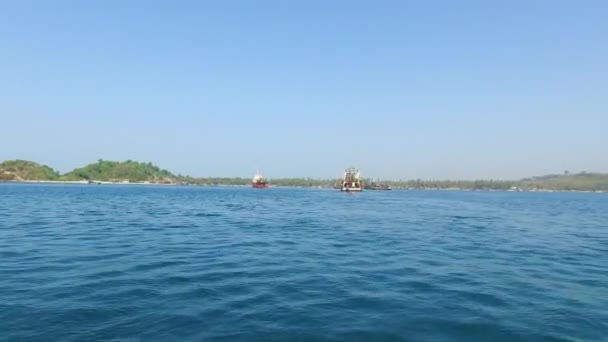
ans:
(82, 263)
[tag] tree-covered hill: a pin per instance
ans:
(26, 170)
(129, 170)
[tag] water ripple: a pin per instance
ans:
(135, 263)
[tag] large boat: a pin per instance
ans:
(351, 181)
(258, 181)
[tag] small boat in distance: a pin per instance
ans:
(351, 181)
(377, 186)
(258, 181)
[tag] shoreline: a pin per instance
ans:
(85, 182)
(286, 186)
(135, 173)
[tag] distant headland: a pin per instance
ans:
(104, 171)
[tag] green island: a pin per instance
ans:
(129, 171)
(22, 170)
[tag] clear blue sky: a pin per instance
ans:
(400, 89)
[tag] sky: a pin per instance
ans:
(399, 89)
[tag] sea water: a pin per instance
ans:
(163, 263)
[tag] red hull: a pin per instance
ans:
(260, 185)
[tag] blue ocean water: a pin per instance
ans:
(153, 263)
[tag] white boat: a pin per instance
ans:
(351, 181)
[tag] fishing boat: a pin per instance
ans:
(351, 181)
(258, 181)
(377, 186)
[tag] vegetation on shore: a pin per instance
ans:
(583, 181)
(19, 170)
(580, 182)
(239, 181)
(129, 170)
(112, 171)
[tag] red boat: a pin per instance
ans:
(258, 181)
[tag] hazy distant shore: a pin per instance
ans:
(132, 172)
(284, 186)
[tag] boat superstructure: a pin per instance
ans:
(351, 181)
(258, 181)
